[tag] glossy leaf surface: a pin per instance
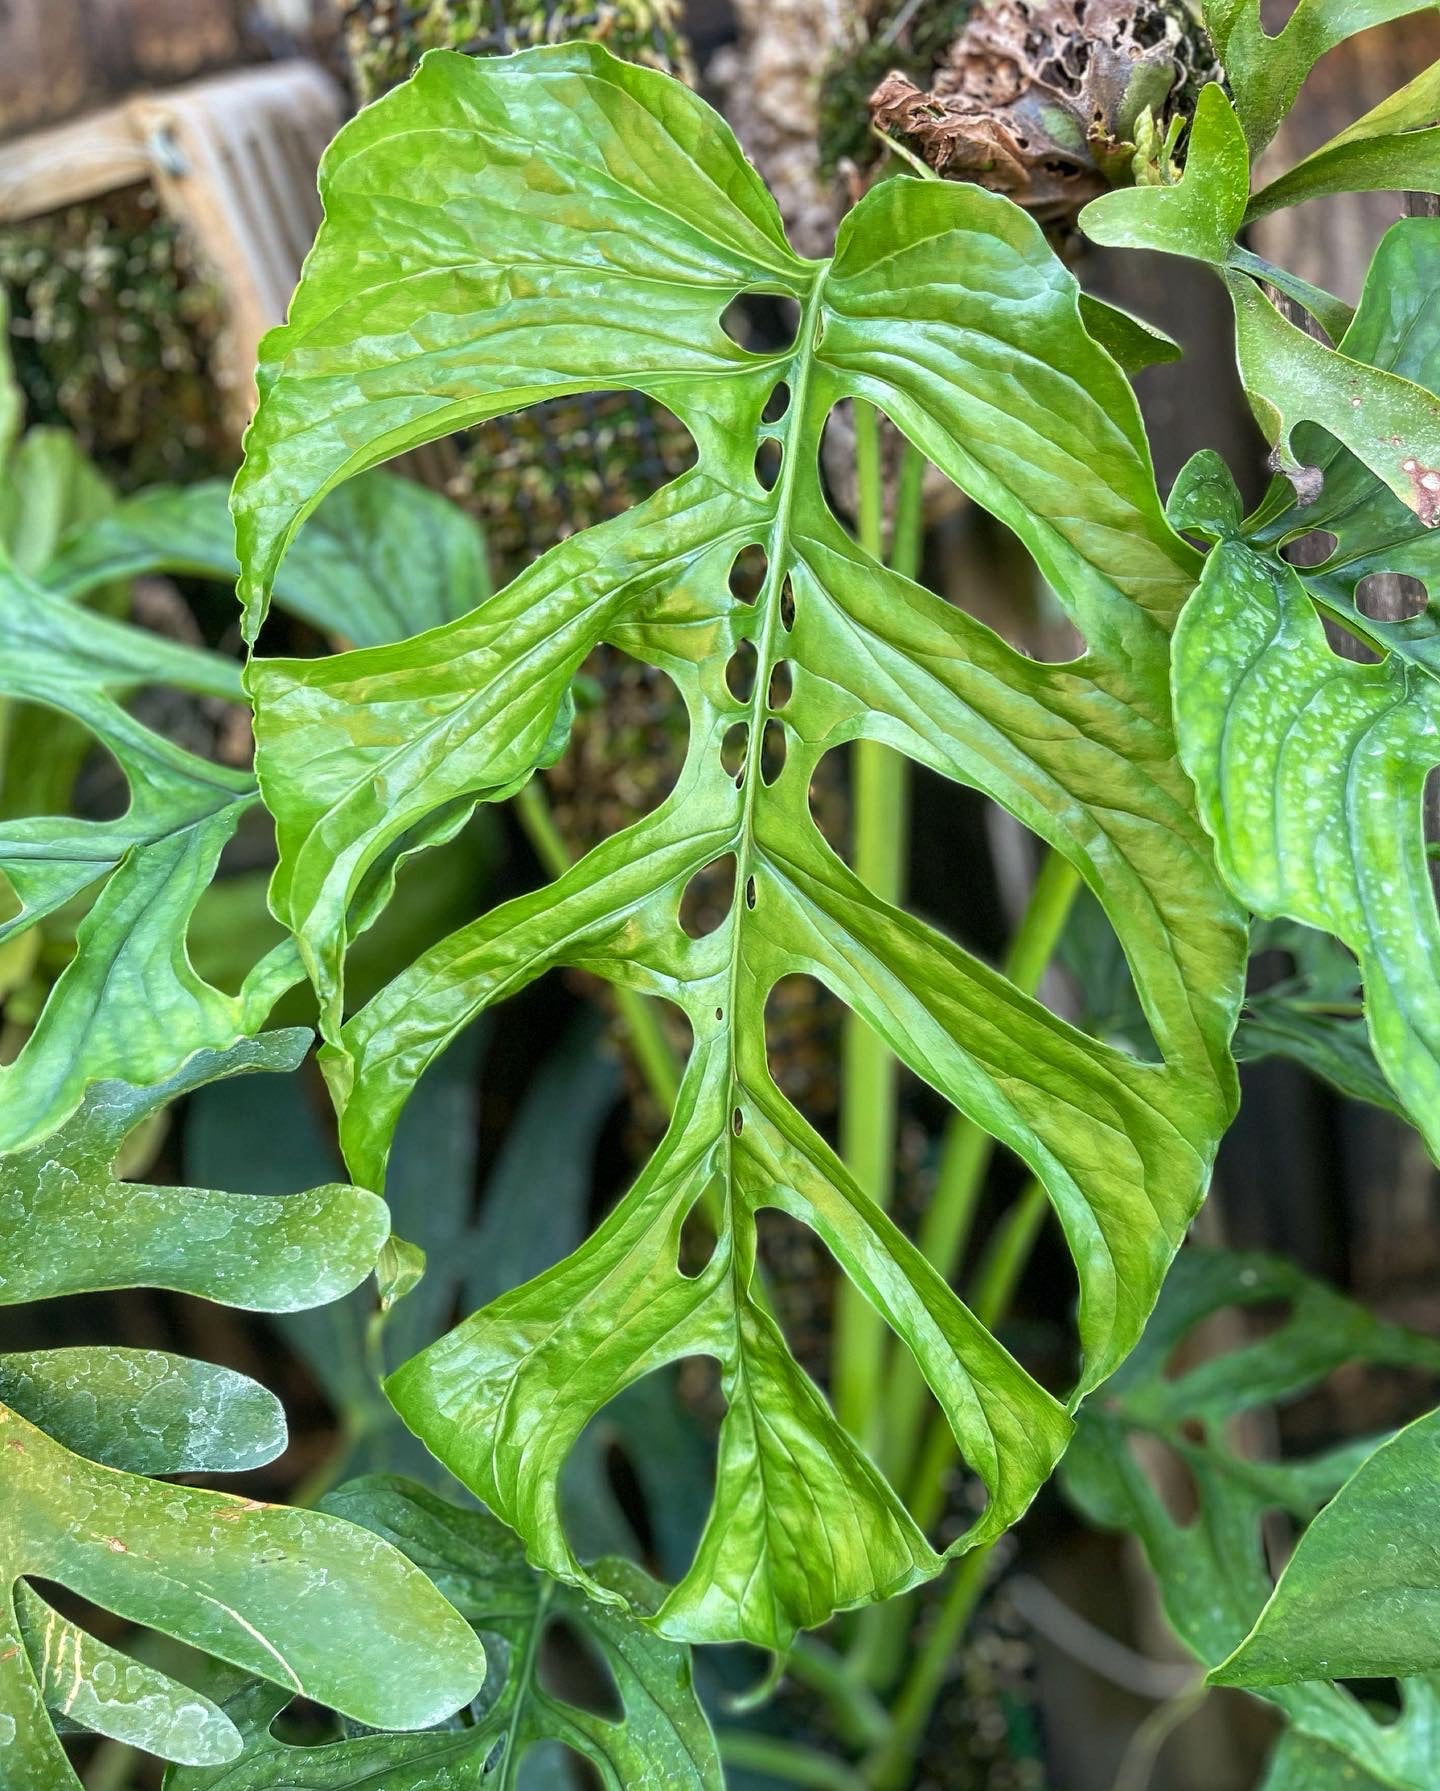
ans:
(1213, 1571)
(145, 1411)
(660, 1738)
(1358, 1598)
(502, 231)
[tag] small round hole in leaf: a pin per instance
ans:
(747, 574)
(767, 462)
(781, 684)
(1312, 549)
(776, 404)
(732, 747)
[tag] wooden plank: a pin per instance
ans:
(50, 169)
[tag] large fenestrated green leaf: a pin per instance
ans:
(660, 1739)
(297, 1598)
(1310, 767)
(503, 231)
(1213, 1572)
(383, 557)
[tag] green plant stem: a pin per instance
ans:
(653, 1055)
(868, 1082)
(860, 1719)
(967, 1151)
(787, 1760)
(890, 1766)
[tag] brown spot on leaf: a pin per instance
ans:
(1425, 489)
(116, 1546)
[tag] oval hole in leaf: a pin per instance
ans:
(801, 1275)
(1310, 549)
(740, 671)
(1391, 596)
(697, 1236)
(738, 322)
(732, 747)
(574, 1670)
(747, 574)
(787, 604)
(1169, 1474)
(708, 897)
(772, 751)
(767, 462)
(802, 1044)
(1345, 645)
(776, 404)
(782, 684)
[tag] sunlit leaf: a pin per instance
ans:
(502, 231)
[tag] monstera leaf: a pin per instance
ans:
(504, 231)
(257, 1586)
(266, 1589)
(383, 558)
(659, 1737)
(1212, 1570)
(129, 1006)
(1311, 768)
(1357, 1598)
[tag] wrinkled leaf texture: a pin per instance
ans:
(504, 231)
(1311, 768)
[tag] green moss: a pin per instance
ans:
(113, 333)
(385, 38)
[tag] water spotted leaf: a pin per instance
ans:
(1212, 1570)
(578, 224)
(658, 1736)
(1310, 767)
(265, 1589)
(1357, 1599)
(71, 1226)
(383, 558)
(145, 1411)
(1388, 421)
(1265, 73)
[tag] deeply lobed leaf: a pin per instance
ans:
(556, 221)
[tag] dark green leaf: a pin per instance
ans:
(1213, 1573)
(1360, 1597)
(662, 1738)
(268, 1590)
(383, 558)
(144, 1411)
